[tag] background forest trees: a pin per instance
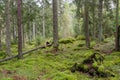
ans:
(95, 20)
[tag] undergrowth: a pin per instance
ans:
(44, 65)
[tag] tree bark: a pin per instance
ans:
(0, 39)
(100, 7)
(86, 21)
(55, 25)
(93, 15)
(117, 19)
(8, 31)
(19, 22)
(23, 36)
(43, 23)
(13, 32)
(34, 30)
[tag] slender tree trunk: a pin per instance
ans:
(8, 36)
(86, 21)
(22, 29)
(13, 23)
(31, 34)
(60, 10)
(93, 15)
(100, 34)
(43, 23)
(13, 32)
(28, 31)
(0, 39)
(23, 36)
(117, 18)
(55, 25)
(19, 22)
(34, 30)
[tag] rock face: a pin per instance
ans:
(93, 66)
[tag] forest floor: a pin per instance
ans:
(44, 64)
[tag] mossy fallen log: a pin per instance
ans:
(93, 66)
(27, 52)
(47, 44)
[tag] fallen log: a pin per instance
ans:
(26, 52)
(9, 58)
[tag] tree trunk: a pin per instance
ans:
(8, 36)
(14, 31)
(117, 36)
(23, 36)
(100, 34)
(43, 23)
(34, 30)
(19, 22)
(86, 21)
(93, 15)
(0, 40)
(55, 25)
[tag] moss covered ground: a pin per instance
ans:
(43, 64)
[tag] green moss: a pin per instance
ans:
(6, 78)
(65, 41)
(80, 37)
(81, 45)
(101, 68)
(95, 64)
(86, 68)
(2, 54)
(63, 76)
(47, 65)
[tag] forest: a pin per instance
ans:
(59, 40)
